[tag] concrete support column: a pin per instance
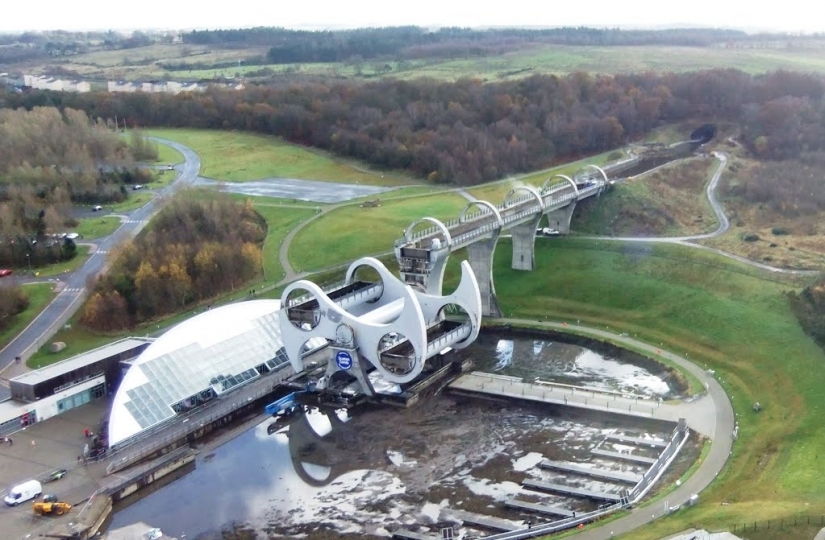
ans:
(434, 281)
(480, 256)
(347, 359)
(524, 244)
(560, 219)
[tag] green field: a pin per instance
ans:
(96, 227)
(139, 63)
(237, 157)
(350, 232)
(722, 314)
(279, 222)
(168, 155)
(40, 294)
(67, 266)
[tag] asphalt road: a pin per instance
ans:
(69, 300)
(714, 416)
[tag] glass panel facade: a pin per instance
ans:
(192, 368)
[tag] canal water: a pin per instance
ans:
(539, 357)
(368, 472)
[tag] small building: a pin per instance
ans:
(60, 387)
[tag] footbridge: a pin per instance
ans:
(377, 322)
(423, 251)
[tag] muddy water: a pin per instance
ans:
(534, 357)
(371, 471)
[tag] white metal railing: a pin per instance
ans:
(445, 340)
(551, 202)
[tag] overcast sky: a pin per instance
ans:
(786, 15)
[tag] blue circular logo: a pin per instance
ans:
(343, 359)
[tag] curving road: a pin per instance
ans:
(724, 226)
(75, 291)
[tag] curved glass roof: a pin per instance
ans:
(209, 354)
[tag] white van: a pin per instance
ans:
(23, 492)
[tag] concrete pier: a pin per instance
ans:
(480, 255)
(539, 508)
(626, 457)
(601, 474)
(572, 491)
(404, 534)
(488, 522)
(511, 387)
(560, 219)
(655, 443)
(524, 244)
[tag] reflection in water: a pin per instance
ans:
(564, 363)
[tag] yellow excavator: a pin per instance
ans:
(50, 505)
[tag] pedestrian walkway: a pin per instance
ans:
(572, 491)
(601, 474)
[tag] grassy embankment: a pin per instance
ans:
(668, 202)
(239, 157)
(40, 294)
(723, 315)
(137, 64)
(346, 233)
(168, 155)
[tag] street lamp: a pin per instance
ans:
(29, 260)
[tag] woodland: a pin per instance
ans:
(51, 160)
(194, 249)
(469, 132)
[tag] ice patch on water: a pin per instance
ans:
(432, 511)
(498, 491)
(527, 462)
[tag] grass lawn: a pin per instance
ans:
(237, 157)
(96, 227)
(168, 155)
(723, 315)
(136, 200)
(350, 232)
(40, 294)
(279, 222)
(66, 266)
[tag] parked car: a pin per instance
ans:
(137, 187)
(56, 475)
(5, 272)
(170, 167)
(97, 208)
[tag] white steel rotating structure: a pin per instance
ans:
(383, 325)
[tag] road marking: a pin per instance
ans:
(73, 289)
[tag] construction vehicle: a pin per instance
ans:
(50, 505)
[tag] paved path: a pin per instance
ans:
(713, 410)
(724, 226)
(71, 297)
(292, 188)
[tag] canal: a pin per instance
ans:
(369, 472)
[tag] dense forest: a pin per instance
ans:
(469, 132)
(49, 160)
(194, 249)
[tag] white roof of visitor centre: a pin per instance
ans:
(218, 349)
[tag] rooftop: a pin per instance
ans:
(81, 360)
